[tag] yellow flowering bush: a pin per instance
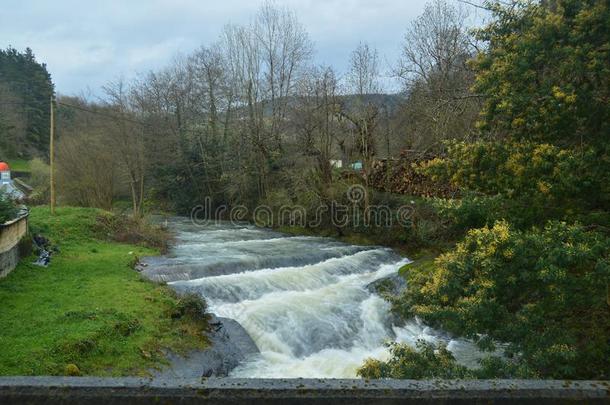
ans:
(544, 291)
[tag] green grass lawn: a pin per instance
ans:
(88, 308)
(19, 165)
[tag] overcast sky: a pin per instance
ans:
(88, 43)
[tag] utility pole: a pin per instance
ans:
(52, 158)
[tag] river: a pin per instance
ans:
(302, 299)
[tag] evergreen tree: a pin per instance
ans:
(31, 88)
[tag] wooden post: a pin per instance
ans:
(52, 159)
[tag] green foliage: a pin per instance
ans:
(8, 210)
(497, 367)
(545, 291)
(21, 165)
(424, 361)
(524, 181)
(72, 370)
(400, 221)
(185, 183)
(88, 309)
(470, 211)
(39, 181)
(192, 306)
(429, 361)
(126, 229)
(545, 75)
(30, 84)
(425, 228)
(526, 272)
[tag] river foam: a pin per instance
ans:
(303, 300)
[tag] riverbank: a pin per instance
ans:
(348, 237)
(89, 312)
(422, 258)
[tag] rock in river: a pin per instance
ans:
(229, 345)
(392, 284)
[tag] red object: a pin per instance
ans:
(4, 167)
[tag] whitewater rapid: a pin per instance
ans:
(303, 300)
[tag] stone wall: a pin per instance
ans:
(11, 234)
(92, 391)
(8, 261)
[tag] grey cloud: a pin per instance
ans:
(86, 44)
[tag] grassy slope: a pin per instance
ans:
(88, 308)
(19, 165)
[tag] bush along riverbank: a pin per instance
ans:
(538, 283)
(89, 312)
(495, 265)
(532, 265)
(542, 291)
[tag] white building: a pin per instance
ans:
(6, 183)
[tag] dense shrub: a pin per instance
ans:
(423, 361)
(427, 228)
(8, 210)
(192, 306)
(393, 220)
(544, 291)
(39, 180)
(125, 229)
(72, 370)
(536, 279)
(428, 360)
(536, 182)
(545, 75)
(470, 211)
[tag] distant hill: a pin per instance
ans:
(389, 101)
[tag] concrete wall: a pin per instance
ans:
(10, 235)
(92, 391)
(8, 261)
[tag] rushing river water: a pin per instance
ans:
(303, 300)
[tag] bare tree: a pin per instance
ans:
(363, 80)
(436, 43)
(314, 117)
(436, 77)
(242, 117)
(216, 97)
(264, 61)
(285, 48)
(127, 137)
(363, 76)
(86, 156)
(244, 62)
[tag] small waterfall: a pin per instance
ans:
(303, 300)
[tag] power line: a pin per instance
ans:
(114, 117)
(76, 107)
(103, 114)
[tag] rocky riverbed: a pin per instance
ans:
(230, 345)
